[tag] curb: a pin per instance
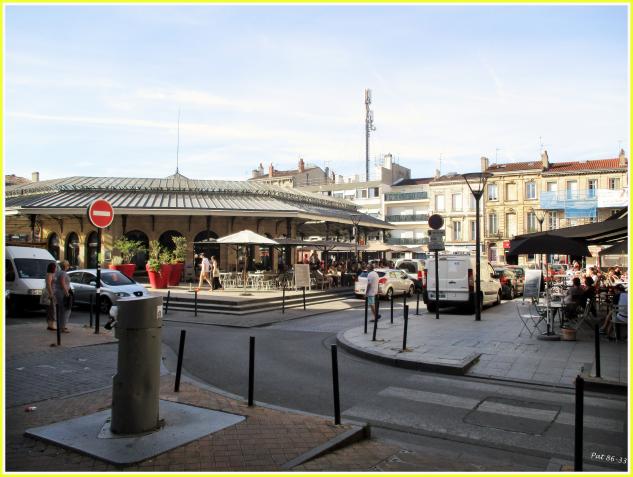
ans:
(603, 385)
(458, 369)
(358, 433)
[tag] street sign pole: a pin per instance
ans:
(98, 300)
(437, 286)
(436, 244)
(101, 215)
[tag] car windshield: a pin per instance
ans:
(364, 274)
(31, 267)
(115, 279)
(409, 267)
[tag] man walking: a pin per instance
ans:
(371, 291)
(205, 268)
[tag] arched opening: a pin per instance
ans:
(91, 250)
(53, 245)
(140, 258)
(210, 249)
(72, 249)
(166, 239)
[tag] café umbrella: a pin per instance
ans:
(549, 243)
(245, 237)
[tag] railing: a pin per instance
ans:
(408, 241)
(407, 218)
(391, 196)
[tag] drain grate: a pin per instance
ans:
(513, 415)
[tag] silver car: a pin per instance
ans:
(114, 285)
(391, 281)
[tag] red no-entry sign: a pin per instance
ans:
(101, 213)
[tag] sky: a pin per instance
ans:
(97, 90)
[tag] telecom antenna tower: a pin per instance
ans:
(369, 127)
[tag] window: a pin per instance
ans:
(471, 202)
(492, 254)
(473, 230)
(457, 231)
(361, 193)
(571, 189)
(9, 272)
(439, 202)
(614, 183)
(493, 223)
(511, 191)
(511, 225)
(456, 202)
(592, 185)
(492, 192)
(374, 192)
(552, 221)
(552, 187)
(531, 222)
(530, 190)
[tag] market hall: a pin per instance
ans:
(53, 213)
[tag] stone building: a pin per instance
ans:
(303, 176)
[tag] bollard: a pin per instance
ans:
(366, 306)
(391, 306)
(181, 352)
(337, 403)
(417, 303)
(597, 345)
(58, 314)
(373, 336)
(251, 370)
(578, 424)
(304, 298)
(195, 303)
(97, 311)
(91, 310)
(283, 300)
(406, 325)
(405, 299)
(167, 301)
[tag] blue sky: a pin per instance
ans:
(96, 90)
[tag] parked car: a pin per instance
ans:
(24, 276)
(511, 280)
(114, 285)
(555, 270)
(391, 281)
(414, 268)
(457, 282)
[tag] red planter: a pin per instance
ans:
(176, 273)
(126, 269)
(165, 274)
(156, 278)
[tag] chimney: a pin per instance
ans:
(327, 172)
(388, 161)
(545, 160)
(35, 176)
(302, 166)
(437, 173)
(271, 169)
(255, 173)
(261, 169)
(622, 161)
(484, 164)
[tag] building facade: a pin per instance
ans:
(304, 175)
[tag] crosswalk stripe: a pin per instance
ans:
(517, 411)
(429, 397)
(593, 422)
(523, 393)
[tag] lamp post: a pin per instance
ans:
(540, 216)
(476, 182)
(355, 220)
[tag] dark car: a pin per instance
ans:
(511, 279)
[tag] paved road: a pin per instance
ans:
(293, 369)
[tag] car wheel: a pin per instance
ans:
(105, 305)
(411, 290)
(498, 302)
(431, 307)
(389, 294)
(513, 293)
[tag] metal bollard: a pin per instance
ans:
(167, 301)
(337, 402)
(417, 303)
(58, 314)
(405, 299)
(97, 312)
(251, 370)
(304, 298)
(391, 306)
(181, 352)
(373, 336)
(283, 300)
(195, 303)
(578, 424)
(597, 347)
(406, 325)
(91, 310)
(366, 306)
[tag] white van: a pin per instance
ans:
(24, 277)
(457, 282)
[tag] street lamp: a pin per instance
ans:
(355, 220)
(476, 182)
(540, 216)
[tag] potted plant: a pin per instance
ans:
(128, 249)
(178, 260)
(154, 265)
(165, 259)
(116, 263)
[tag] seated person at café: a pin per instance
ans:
(618, 313)
(590, 294)
(575, 297)
(333, 273)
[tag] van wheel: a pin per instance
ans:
(431, 307)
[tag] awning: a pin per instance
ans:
(620, 248)
(599, 233)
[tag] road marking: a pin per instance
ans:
(517, 411)
(604, 424)
(430, 398)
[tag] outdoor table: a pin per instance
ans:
(556, 307)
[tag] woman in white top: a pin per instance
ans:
(215, 273)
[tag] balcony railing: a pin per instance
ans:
(407, 218)
(391, 196)
(407, 241)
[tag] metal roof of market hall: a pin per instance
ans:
(176, 195)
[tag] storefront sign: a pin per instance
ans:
(532, 284)
(302, 275)
(506, 244)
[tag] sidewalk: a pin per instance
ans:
(492, 348)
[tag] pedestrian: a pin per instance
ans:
(49, 299)
(205, 269)
(215, 273)
(62, 294)
(371, 292)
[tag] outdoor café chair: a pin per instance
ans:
(529, 316)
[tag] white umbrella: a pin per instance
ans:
(245, 237)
